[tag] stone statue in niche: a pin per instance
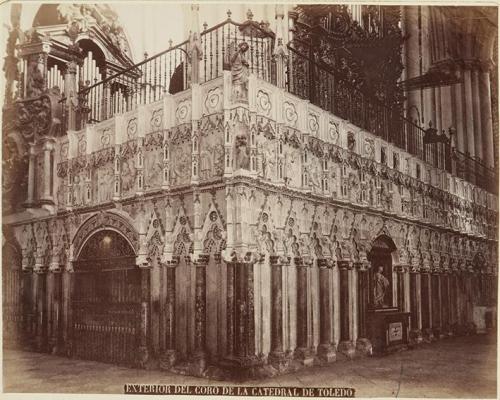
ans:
(242, 152)
(239, 74)
(36, 81)
(128, 175)
(380, 286)
(106, 178)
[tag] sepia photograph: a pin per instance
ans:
(260, 199)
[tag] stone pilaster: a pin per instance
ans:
(303, 351)
(326, 351)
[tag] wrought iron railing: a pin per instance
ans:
(317, 83)
(169, 71)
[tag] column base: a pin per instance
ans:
(364, 347)
(415, 337)
(304, 355)
(168, 359)
(278, 360)
(326, 353)
(236, 367)
(142, 357)
(428, 335)
(198, 363)
(347, 348)
(438, 333)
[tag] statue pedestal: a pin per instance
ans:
(388, 330)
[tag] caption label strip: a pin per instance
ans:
(199, 390)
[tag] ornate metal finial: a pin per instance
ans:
(249, 15)
(170, 43)
(145, 55)
(205, 25)
(228, 14)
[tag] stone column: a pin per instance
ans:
(31, 176)
(40, 287)
(68, 286)
(400, 287)
(143, 356)
(169, 356)
(478, 134)
(240, 326)
(469, 112)
(445, 303)
(303, 351)
(486, 122)
(363, 344)
(415, 307)
(426, 296)
(346, 346)
(200, 312)
(277, 355)
(54, 289)
(325, 350)
(436, 304)
(452, 287)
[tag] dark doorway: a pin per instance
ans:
(106, 301)
(380, 257)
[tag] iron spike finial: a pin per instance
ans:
(205, 26)
(249, 15)
(228, 14)
(170, 43)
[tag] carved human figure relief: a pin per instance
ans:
(239, 74)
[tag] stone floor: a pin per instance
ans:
(454, 367)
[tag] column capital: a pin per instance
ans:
(361, 265)
(303, 261)
(344, 264)
(326, 263)
(200, 260)
(279, 260)
(40, 269)
(249, 257)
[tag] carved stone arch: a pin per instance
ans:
(386, 241)
(213, 235)
(105, 220)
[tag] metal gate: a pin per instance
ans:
(106, 301)
(12, 289)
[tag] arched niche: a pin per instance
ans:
(382, 258)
